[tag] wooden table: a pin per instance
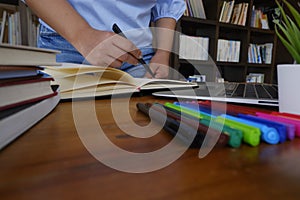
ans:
(50, 162)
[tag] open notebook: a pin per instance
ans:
(80, 81)
(250, 93)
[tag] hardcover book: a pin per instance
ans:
(19, 91)
(15, 121)
(25, 55)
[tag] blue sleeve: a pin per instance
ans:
(168, 8)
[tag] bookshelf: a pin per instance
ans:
(19, 25)
(243, 35)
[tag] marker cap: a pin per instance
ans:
(234, 140)
(270, 135)
(252, 137)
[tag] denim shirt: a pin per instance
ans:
(132, 16)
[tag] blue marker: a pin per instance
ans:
(268, 134)
(195, 108)
(281, 129)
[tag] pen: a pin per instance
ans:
(117, 30)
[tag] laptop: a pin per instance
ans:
(248, 93)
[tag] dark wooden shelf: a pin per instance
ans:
(214, 30)
(234, 64)
(262, 31)
(198, 20)
(232, 26)
(259, 65)
(196, 62)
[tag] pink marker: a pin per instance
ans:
(281, 120)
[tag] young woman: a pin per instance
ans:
(82, 31)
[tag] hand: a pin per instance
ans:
(104, 48)
(159, 65)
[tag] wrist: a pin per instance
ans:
(84, 40)
(162, 54)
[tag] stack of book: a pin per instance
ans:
(26, 92)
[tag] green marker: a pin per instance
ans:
(187, 111)
(235, 135)
(251, 134)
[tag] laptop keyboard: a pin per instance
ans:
(251, 90)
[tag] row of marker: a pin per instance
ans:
(192, 121)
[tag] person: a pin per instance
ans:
(82, 31)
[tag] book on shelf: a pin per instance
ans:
(228, 50)
(79, 81)
(15, 121)
(237, 13)
(19, 25)
(195, 8)
(259, 18)
(193, 47)
(30, 26)
(226, 11)
(25, 55)
(255, 78)
(243, 16)
(3, 26)
(10, 27)
(260, 53)
(19, 91)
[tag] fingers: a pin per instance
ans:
(124, 50)
(160, 71)
(112, 50)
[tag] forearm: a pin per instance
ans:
(164, 34)
(61, 16)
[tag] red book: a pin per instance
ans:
(15, 92)
(17, 120)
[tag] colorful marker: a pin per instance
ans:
(283, 130)
(251, 134)
(282, 120)
(268, 134)
(235, 135)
